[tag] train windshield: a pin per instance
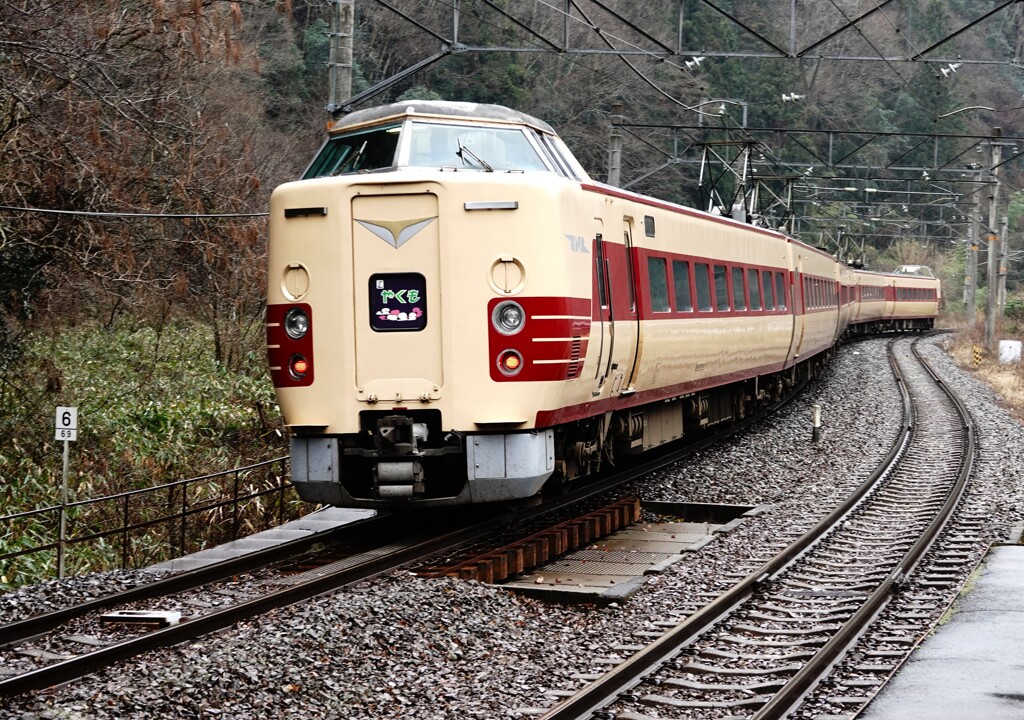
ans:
(472, 147)
(359, 151)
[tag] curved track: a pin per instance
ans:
(761, 647)
(398, 547)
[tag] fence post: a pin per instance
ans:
(234, 510)
(184, 510)
(280, 496)
(124, 534)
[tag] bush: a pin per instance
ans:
(153, 406)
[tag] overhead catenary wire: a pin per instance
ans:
(132, 215)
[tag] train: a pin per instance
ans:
(458, 314)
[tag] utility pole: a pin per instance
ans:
(339, 60)
(615, 147)
(1004, 227)
(971, 275)
(991, 299)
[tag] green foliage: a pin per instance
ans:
(420, 93)
(154, 406)
(1014, 310)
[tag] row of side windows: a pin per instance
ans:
(820, 293)
(915, 294)
(872, 292)
(706, 287)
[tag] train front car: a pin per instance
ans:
(423, 294)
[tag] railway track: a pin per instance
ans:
(760, 648)
(277, 590)
(512, 541)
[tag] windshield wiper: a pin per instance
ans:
(463, 151)
(349, 165)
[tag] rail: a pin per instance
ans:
(226, 500)
(592, 699)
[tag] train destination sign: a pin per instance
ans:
(398, 302)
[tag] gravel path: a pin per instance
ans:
(405, 647)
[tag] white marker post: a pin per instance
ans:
(66, 424)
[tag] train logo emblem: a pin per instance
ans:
(396, 232)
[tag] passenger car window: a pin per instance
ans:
(754, 288)
(721, 288)
(739, 302)
(681, 282)
(657, 278)
(702, 279)
(769, 290)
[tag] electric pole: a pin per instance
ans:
(971, 276)
(339, 61)
(992, 294)
(615, 146)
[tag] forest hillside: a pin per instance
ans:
(141, 139)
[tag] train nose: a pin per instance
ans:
(396, 249)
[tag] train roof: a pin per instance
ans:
(443, 109)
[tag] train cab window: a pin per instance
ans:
(739, 301)
(754, 288)
(354, 152)
(472, 147)
(780, 291)
(702, 282)
(721, 288)
(657, 281)
(681, 284)
(769, 290)
(555, 156)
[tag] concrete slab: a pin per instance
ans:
(319, 522)
(614, 568)
(973, 667)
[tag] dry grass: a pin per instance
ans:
(1006, 380)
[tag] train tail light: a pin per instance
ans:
(290, 344)
(298, 367)
(510, 362)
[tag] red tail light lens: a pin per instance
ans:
(510, 362)
(298, 367)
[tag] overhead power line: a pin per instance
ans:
(166, 216)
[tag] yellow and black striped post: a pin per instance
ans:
(979, 353)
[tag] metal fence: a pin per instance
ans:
(157, 523)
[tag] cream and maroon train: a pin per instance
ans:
(458, 314)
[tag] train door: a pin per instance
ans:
(614, 313)
(797, 306)
(634, 349)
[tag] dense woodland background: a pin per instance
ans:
(139, 110)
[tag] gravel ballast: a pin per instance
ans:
(407, 647)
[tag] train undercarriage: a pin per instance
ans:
(408, 458)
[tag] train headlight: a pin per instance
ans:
(508, 317)
(296, 323)
(298, 367)
(510, 362)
